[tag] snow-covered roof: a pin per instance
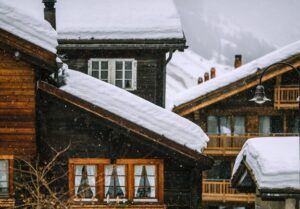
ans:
(237, 74)
(24, 23)
(183, 72)
(135, 109)
(274, 161)
(118, 19)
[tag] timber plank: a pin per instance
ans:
(19, 137)
(17, 130)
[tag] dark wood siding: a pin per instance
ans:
(91, 137)
(17, 107)
(150, 69)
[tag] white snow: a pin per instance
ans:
(237, 74)
(274, 161)
(135, 109)
(183, 72)
(24, 22)
(118, 19)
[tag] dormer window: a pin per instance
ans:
(119, 72)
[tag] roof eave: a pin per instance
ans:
(197, 157)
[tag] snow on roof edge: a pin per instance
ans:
(27, 27)
(237, 74)
(135, 109)
(274, 161)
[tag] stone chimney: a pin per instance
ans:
(49, 12)
(212, 73)
(200, 80)
(206, 76)
(237, 60)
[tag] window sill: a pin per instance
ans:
(7, 202)
(85, 200)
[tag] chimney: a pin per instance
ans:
(237, 60)
(212, 73)
(200, 80)
(206, 76)
(49, 12)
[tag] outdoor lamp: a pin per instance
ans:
(260, 96)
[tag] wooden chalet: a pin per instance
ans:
(25, 59)
(222, 108)
(124, 153)
(125, 45)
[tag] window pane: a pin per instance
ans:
(239, 125)
(95, 65)
(119, 65)
(264, 125)
(121, 170)
(3, 190)
(85, 180)
(95, 74)
(151, 181)
(119, 83)
(225, 125)
(115, 180)
(128, 65)
(212, 125)
(119, 74)
(138, 169)
(108, 169)
(151, 170)
(104, 75)
(128, 75)
(276, 124)
(293, 124)
(128, 84)
(104, 65)
(4, 184)
(3, 165)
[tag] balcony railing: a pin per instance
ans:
(230, 145)
(285, 97)
(221, 191)
(87, 205)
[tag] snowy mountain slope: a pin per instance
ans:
(183, 72)
(216, 37)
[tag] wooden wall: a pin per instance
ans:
(91, 137)
(150, 69)
(17, 107)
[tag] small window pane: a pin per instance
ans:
(119, 65)
(4, 177)
(128, 74)
(128, 84)
(239, 125)
(119, 74)
(151, 169)
(95, 65)
(119, 83)
(128, 65)
(104, 75)
(212, 125)
(3, 165)
(85, 181)
(95, 74)
(104, 65)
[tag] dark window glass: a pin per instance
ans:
(95, 65)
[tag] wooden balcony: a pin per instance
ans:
(285, 97)
(221, 191)
(230, 145)
(105, 206)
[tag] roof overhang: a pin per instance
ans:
(244, 180)
(29, 52)
(235, 88)
(199, 159)
(116, 44)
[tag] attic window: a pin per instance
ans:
(119, 72)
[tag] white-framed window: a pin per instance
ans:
(119, 72)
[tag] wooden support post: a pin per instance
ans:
(196, 188)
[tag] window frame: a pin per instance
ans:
(112, 70)
(10, 159)
(129, 179)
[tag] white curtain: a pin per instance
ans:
(137, 178)
(225, 125)
(264, 125)
(212, 125)
(239, 125)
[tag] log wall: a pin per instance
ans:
(17, 107)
